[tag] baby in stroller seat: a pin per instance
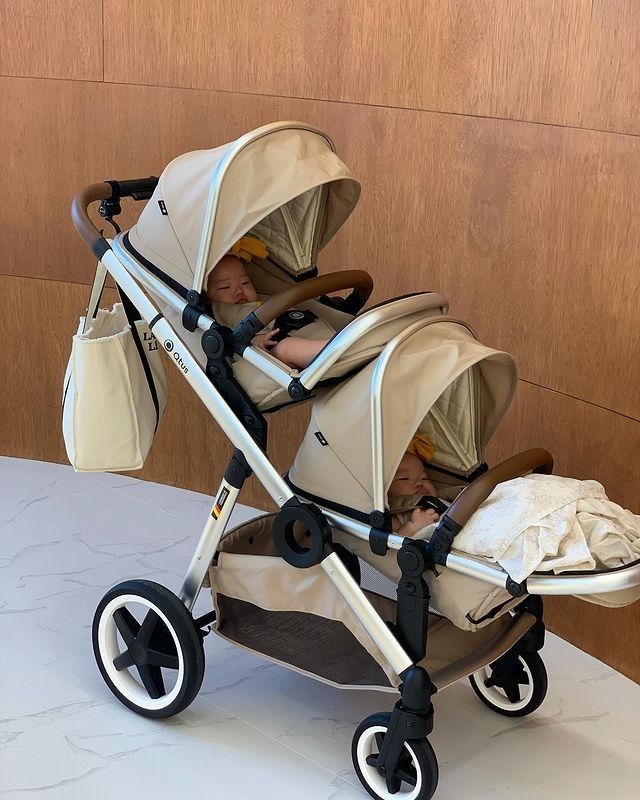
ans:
(413, 499)
(232, 296)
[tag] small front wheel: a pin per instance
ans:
(416, 774)
(516, 694)
(148, 648)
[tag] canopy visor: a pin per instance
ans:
(282, 183)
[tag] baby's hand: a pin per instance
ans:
(265, 340)
(421, 517)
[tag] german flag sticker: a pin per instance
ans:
(222, 499)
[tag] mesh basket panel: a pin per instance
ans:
(323, 647)
(374, 581)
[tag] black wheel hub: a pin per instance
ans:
(508, 674)
(150, 647)
(404, 771)
(138, 652)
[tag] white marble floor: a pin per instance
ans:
(256, 730)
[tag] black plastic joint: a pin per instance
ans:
(190, 317)
(380, 519)
(416, 726)
(297, 391)
(311, 544)
(244, 332)
(442, 539)
(378, 541)
(514, 588)
(238, 470)
(100, 247)
(215, 340)
(110, 206)
(194, 298)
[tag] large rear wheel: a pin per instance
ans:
(147, 648)
(517, 693)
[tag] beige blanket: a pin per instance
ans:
(550, 523)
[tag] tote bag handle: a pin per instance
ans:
(133, 315)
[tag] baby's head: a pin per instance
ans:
(411, 478)
(229, 283)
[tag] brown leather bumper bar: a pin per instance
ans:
(361, 283)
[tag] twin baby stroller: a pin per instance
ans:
(300, 586)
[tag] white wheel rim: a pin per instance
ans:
(496, 696)
(124, 682)
(367, 746)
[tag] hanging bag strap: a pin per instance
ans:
(133, 316)
(92, 309)
(99, 281)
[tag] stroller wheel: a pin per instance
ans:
(148, 649)
(416, 774)
(517, 694)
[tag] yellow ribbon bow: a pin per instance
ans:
(422, 447)
(247, 247)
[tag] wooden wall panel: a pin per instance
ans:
(51, 39)
(586, 442)
(611, 85)
(57, 142)
(518, 60)
(529, 230)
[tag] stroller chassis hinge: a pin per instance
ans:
(413, 599)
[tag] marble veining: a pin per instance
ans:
(255, 730)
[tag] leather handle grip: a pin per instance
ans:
(79, 214)
(356, 279)
(535, 460)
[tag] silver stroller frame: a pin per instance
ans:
(403, 651)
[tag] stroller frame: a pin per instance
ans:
(405, 646)
(126, 272)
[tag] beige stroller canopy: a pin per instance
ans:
(439, 380)
(283, 182)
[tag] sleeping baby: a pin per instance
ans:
(233, 296)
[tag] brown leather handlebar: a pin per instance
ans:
(535, 460)
(355, 279)
(80, 217)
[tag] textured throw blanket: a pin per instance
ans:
(550, 523)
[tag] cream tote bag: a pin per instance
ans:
(115, 388)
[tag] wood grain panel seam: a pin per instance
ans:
(610, 132)
(523, 380)
(368, 105)
(53, 78)
(580, 399)
(102, 37)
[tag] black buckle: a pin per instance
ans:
(441, 540)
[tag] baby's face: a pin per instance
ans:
(411, 478)
(229, 283)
